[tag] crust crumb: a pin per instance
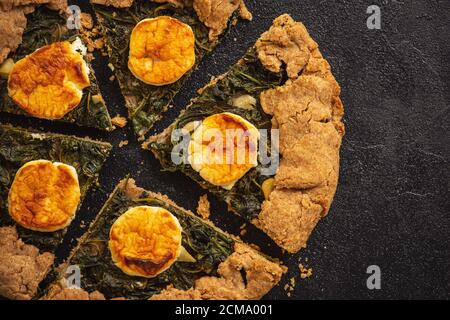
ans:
(119, 121)
(203, 208)
(92, 37)
(289, 287)
(243, 229)
(304, 271)
(86, 21)
(244, 13)
(123, 143)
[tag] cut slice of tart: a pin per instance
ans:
(282, 85)
(43, 180)
(48, 75)
(154, 45)
(143, 246)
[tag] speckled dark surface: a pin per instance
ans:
(392, 205)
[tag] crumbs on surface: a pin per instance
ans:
(92, 37)
(119, 121)
(243, 229)
(123, 143)
(86, 21)
(203, 208)
(290, 286)
(305, 272)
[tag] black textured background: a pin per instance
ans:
(391, 208)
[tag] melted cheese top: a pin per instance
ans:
(44, 196)
(162, 50)
(223, 149)
(49, 82)
(145, 241)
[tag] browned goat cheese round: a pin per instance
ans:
(44, 196)
(145, 241)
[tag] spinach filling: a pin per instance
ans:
(18, 146)
(248, 76)
(206, 244)
(45, 27)
(145, 102)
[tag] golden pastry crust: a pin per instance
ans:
(308, 111)
(49, 82)
(13, 21)
(119, 121)
(261, 275)
(176, 3)
(217, 160)
(145, 241)
(203, 207)
(12, 25)
(114, 3)
(58, 292)
(44, 196)
(22, 267)
(162, 50)
(52, 4)
(172, 293)
(215, 14)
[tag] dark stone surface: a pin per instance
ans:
(391, 208)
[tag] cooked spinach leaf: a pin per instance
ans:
(207, 245)
(45, 27)
(18, 146)
(145, 102)
(248, 76)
